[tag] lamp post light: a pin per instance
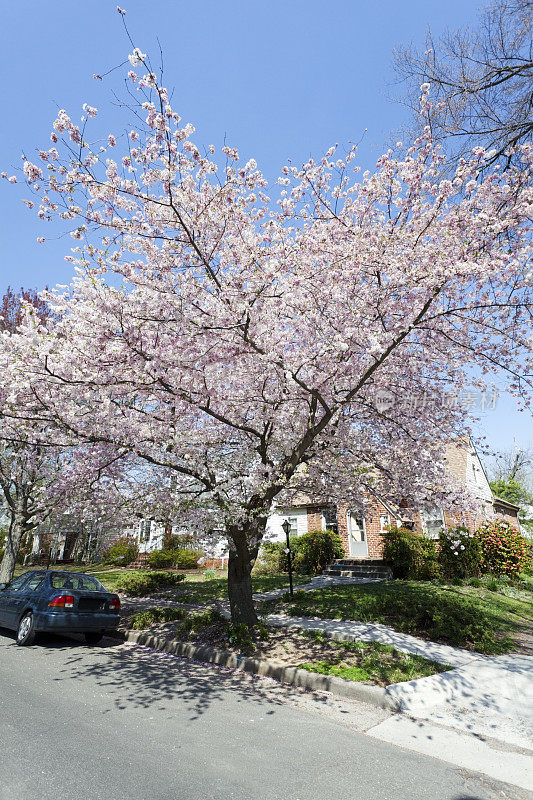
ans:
(286, 527)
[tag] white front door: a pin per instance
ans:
(357, 536)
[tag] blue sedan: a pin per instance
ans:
(58, 602)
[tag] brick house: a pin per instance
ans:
(361, 533)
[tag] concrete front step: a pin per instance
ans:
(358, 568)
(141, 562)
(353, 573)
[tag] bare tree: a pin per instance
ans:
(481, 81)
(515, 464)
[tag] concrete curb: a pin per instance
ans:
(312, 681)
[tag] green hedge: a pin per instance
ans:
(319, 548)
(161, 559)
(311, 552)
(139, 584)
(187, 558)
(273, 558)
(410, 555)
(181, 558)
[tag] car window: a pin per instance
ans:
(17, 584)
(34, 584)
(69, 581)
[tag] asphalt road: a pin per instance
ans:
(119, 722)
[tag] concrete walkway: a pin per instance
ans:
(319, 582)
(490, 697)
(366, 632)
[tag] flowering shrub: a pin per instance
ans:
(459, 553)
(504, 551)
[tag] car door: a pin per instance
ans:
(28, 594)
(11, 599)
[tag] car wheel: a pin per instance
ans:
(93, 638)
(26, 631)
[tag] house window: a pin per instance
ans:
(384, 523)
(432, 521)
(329, 519)
(293, 522)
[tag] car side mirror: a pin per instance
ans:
(3, 586)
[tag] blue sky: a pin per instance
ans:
(276, 79)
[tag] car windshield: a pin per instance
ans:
(69, 580)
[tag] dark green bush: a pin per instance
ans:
(273, 558)
(122, 552)
(320, 548)
(187, 558)
(311, 552)
(139, 584)
(162, 559)
(410, 555)
(459, 553)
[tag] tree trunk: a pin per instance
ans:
(240, 563)
(17, 530)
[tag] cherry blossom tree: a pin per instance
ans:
(252, 347)
(44, 472)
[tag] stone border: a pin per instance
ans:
(312, 681)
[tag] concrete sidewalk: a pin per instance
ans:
(490, 697)
(347, 631)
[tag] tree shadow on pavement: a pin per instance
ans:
(135, 676)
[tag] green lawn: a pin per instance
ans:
(195, 589)
(463, 616)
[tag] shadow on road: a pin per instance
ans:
(134, 676)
